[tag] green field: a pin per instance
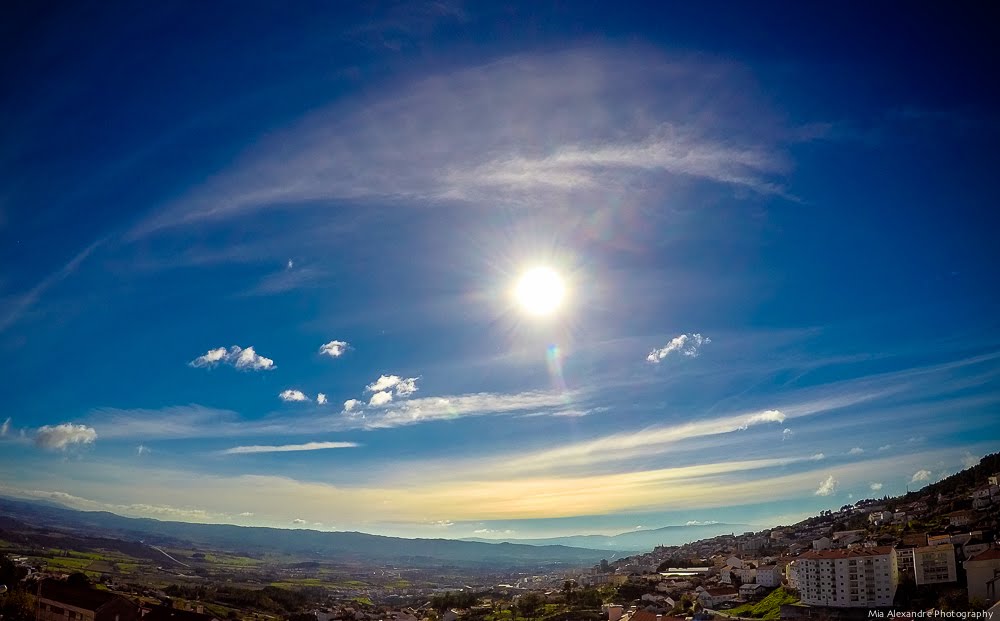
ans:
(768, 608)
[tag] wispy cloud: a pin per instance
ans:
(921, 475)
(334, 349)
(875, 487)
(857, 450)
(544, 129)
(60, 437)
(684, 344)
(5, 427)
(288, 448)
(827, 486)
(245, 359)
(292, 395)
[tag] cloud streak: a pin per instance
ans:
(546, 129)
(60, 437)
(289, 448)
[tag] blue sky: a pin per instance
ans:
(775, 228)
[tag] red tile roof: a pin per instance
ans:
(993, 554)
(855, 553)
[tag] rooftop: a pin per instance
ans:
(855, 553)
(993, 554)
(78, 597)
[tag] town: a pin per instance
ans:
(934, 550)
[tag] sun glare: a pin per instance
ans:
(540, 291)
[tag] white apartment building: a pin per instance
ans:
(769, 575)
(934, 564)
(863, 577)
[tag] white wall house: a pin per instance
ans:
(769, 575)
(934, 564)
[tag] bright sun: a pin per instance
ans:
(540, 291)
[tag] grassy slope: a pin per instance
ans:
(768, 608)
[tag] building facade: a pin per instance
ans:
(864, 577)
(934, 564)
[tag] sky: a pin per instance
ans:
(263, 264)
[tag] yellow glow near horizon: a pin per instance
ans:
(540, 291)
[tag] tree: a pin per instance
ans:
(78, 579)
(529, 604)
(568, 587)
(17, 605)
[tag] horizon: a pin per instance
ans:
(453, 270)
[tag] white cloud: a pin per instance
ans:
(403, 387)
(968, 459)
(298, 521)
(247, 514)
(786, 433)
(875, 487)
(292, 395)
(491, 531)
(443, 523)
(827, 487)
(700, 523)
(921, 475)
(290, 264)
(334, 349)
(141, 449)
(287, 448)
(350, 404)
(246, 359)
(884, 447)
(321, 399)
(380, 398)
(5, 427)
(857, 450)
(818, 457)
(59, 437)
(686, 344)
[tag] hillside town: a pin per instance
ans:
(932, 550)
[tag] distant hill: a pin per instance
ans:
(636, 540)
(303, 544)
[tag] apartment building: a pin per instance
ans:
(862, 577)
(934, 564)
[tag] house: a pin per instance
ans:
(878, 518)
(753, 591)
(167, 613)
(844, 538)
(858, 578)
(769, 575)
(904, 558)
(960, 518)
(937, 540)
(823, 543)
(983, 574)
(58, 601)
(711, 598)
(934, 564)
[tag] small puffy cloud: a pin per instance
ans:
(334, 349)
(875, 487)
(404, 387)
(885, 447)
(321, 399)
(786, 433)
(141, 450)
(298, 521)
(921, 475)
(827, 487)
(686, 344)
(5, 427)
(380, 398)
(293, 395)
(857, 450)
(818, 457)
(245, 359)
(59, 437)
(350, 404)
(247, 514)
(443, 523)
(290, 264)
